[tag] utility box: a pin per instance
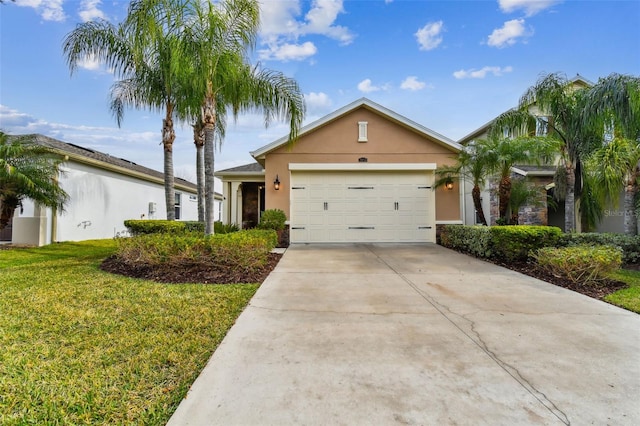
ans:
(152, 208)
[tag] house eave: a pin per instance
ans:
(261, 153)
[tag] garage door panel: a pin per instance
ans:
(362, 206)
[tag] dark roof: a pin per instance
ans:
(88, 153)
(247, 168)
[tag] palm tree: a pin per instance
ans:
(562, 105)
(614, 167)
(143, 54)
(470, 165)
(502, 154)
(221, 35)
(27, 171)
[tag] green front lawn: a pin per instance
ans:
(81, 346)
(628, 298)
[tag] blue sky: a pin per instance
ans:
(448, 65)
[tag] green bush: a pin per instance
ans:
(153, 226)
(241, 250)
(221, 228)
(585, 264)
(474, 240)
(193, 226)
(509, 243)
(513, 243)
(273, 219)
(630, 245)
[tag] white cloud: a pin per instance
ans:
(367, 87)
(482, 73)
(508, 34)
(530, 7)
(288, 52)
(49, 10)
(317, 103)
(282, 25)
(89, 10)
(429, 36)
(412, 83)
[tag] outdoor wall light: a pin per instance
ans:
(276, 183)
(449, 184)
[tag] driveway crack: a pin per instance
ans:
(478, 341)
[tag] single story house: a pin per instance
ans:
(104, 191)
(360, 174)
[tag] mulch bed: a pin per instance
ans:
(191, 273)
(603, 288)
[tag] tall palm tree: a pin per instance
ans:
(221, 36)
(143, 53)
(562, 105)
(27, 171)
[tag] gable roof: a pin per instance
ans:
(244, 169)
(104, 161)
(259, 153)
(577, 80)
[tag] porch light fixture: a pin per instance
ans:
(448, 184)
(276, 183)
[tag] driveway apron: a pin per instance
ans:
(419, 335)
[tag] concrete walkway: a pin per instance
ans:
(418, 335)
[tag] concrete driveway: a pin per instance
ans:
(418, 335)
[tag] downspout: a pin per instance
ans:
(54, 224)
(463, 204)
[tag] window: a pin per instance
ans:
(362, 131)
(177, 205)
(542, 125)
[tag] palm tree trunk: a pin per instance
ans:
(504, 192)
(198, 140)
(477, 203)
(630, 219)
(570, 200)
(168, 137)
(209, 120)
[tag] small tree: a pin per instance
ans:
(27, 171)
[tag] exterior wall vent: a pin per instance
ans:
(362, 131)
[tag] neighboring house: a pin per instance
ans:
(104, 191)
(543, 212)
(360, 174)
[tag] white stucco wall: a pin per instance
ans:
(101, 200)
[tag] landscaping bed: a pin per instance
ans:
(529, 267)
(195, 273)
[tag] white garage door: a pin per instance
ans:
(356, 206)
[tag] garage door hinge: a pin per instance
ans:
(424, 227)
(297, 187)
(424, 187)
(362, 227)
(360, 187)
(297, 227)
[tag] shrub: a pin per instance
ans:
(474, 240)
(630, 245)
(242, 250)
(584, 264)
(141, 227)
(272, 219)
(193, 226)
(221, 228)
(512, 243)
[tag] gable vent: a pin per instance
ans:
(362, 131)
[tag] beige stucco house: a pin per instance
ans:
(360, 174)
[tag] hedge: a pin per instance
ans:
(502, 242)
(580, 264)
(630, 245)
(242, 250)
(153, 226)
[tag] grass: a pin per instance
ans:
(81, 346)
(628, 298)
